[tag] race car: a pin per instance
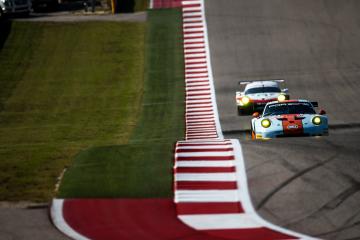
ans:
(257, 93)
(289, 118)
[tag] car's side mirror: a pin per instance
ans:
(315, 104)
(285, 90)
(322, 112)
(256, 114)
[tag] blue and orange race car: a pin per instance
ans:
(289, 118)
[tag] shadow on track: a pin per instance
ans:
(5, 28)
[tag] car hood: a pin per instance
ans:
(291, 117)
(263, 96)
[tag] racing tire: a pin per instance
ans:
(253, 135)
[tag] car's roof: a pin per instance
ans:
(261, 84)
(290, 101)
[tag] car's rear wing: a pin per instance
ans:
(250, 81)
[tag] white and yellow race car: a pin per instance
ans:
(257, 93)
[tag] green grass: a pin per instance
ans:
(143, 167)
(64, 88)
(141, 5)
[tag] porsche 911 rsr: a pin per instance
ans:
(289, 118)
(257, 93)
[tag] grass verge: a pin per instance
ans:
(64, 88)
(143, 166)
(141, 5)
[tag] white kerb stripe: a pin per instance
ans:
(57, 217)
(229, 163)
(195, 55)
(193, 24)
(194, 29)
(194, 45)
(191, 8)
(220, 221)
(202, 65)
(190, 20)
(193, 34)
(211, 177)
(188, 14)
(206, 196)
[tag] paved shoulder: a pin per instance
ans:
(20, 223)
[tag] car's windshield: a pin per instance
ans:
(289, 108)
(263, 90)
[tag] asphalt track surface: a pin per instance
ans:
(21, 223)
(311, 185)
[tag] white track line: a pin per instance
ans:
(220, 221)
(56, 213)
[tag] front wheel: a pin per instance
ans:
(253, 135)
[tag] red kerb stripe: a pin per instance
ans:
(209, 208)
(194, 26)
(205, 150)
(204, 169)
(193, 43)
(203, 144)
(193, 16)
(203, 185)
(195, 103)
(207, 158)
(191, 5)
(201, 76)
(198, 89)
(194, 32)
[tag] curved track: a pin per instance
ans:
(310, 185)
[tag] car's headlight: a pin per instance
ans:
(281, 97)
(265, 123)
(316, 120)
(245, 100)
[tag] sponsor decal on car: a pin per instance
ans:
(294, 126)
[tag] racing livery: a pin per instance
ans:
(257, 93)
(289, 118)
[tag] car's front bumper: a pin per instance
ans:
(308, 131)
